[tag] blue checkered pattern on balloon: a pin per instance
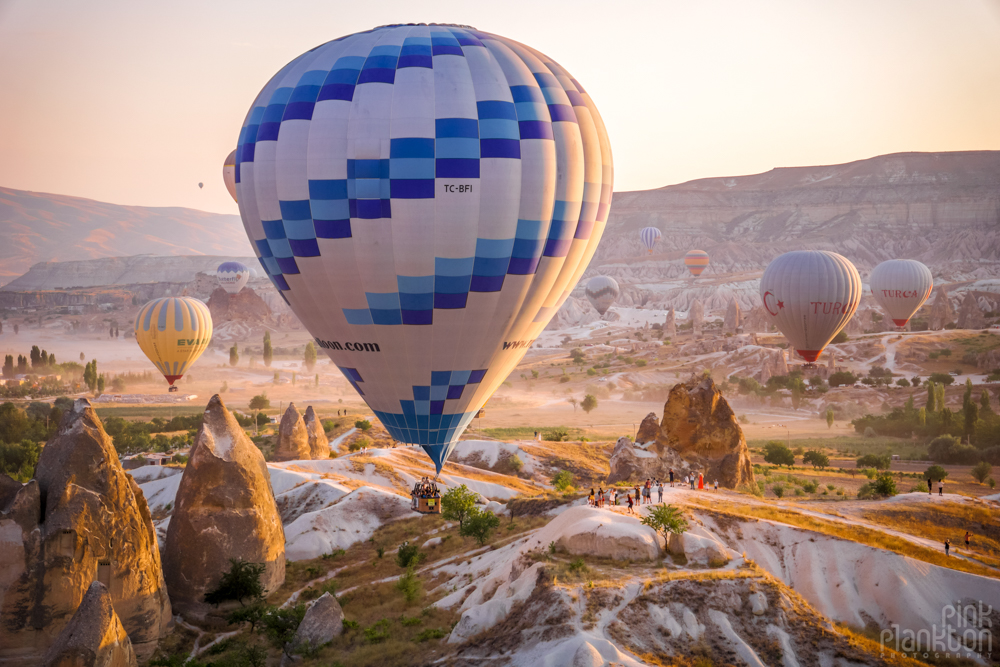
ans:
(414, 165)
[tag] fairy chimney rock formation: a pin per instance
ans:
(670, 324)
(698, 434)
(94, 637)
(970, 316)
(293, 440)
(648, 429)
(319, 445)
(225, 509)
(731, 323)
(82, 519)
(697, 317)
(941, 311)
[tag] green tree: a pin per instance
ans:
(309, 358)
(251, 613)
(317, 380)
(666, 520)
(576, 354)
(778, 454)
(942, 378)
(562, 480)
(457, 504)
(984, 401)
(240, 583)
(362, 425)
(409, 585)
(279, 626)
(935, 472)
(877, 461)
(408, 554)
(36, 357)
(589, 403)
(981, 471)
(816, 459)
(829, 417)
(842, 378)
(268, 351)
(479, 525)
(8, 366)
(234, 354)
(260, 402)
(922, 416)
(971, 414)
(931, 397)
(100, 384)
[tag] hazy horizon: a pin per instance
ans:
(135, 105)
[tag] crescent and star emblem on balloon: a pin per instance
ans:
(781, 304)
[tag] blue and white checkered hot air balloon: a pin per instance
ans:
(649, 237)
(425, 197)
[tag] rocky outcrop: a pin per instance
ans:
(941, 311)
(970, 316)
(696, 316)
(731, 323)
(772, 362)
(82, 519)
(670, 324)
(244, 306)
(324, 620)
(225, 509)
(648, 429)
(94, 637)
(319, 444)
(698, 434)
(293, 440)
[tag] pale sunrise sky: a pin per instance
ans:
(135, 102)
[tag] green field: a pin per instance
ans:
(857, 445)
(147, 412)
(527, 432)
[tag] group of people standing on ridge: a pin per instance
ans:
(643, 492)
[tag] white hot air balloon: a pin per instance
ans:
(601, 291)
(901, 286)
(229, 174)
(233, 276)
(425, 198)
(650, 236)
(810, 295)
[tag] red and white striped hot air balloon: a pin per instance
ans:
(696, 261)
(901, 286)
(810, 296)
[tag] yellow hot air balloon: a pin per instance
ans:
(173, 332)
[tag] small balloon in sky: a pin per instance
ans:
(201, 185)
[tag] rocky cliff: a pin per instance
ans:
(224, 510)
(698, 434)
(319, 444)
(94, 637)
(82, 519)
(293, 439)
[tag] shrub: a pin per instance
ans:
(377, 632)
(279, 625)
(877, 461)
(810, 487)
(842, 378)
(409, 554)
(666, 520)
(816, 459)
(409, 585)
(357, 444)
(941, 378)
(558, 434)
(241, 582)
(430, 633)
(457, 504)
(562, 480)
(778, 490)
(778, 454)
(981, 471)
(589, 403)
(479, 525)
(935, 473)
(362, 425)
(884, 485)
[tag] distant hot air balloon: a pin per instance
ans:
(901, 286)
(649, 237)
(810, 295)
(201, 185)
(696, 261)
(425, 198)
(173, 332)
(601, 291)
(229, 174)
(233, 276)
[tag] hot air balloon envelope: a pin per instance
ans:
(901, 286)
(229, 174)
(233, 276)
(696, 261)
(601, 291)
(810, 295)
(173, 332)
(425, 198)
(649, 237)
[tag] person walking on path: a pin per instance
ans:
(630, 510)
(591, 500)
(692, 482)
(947, 546)
(967, 540)
(930, 486)
(940, 487)
(645, 494)
(671, 478)
(659, 493)
(716, 485)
